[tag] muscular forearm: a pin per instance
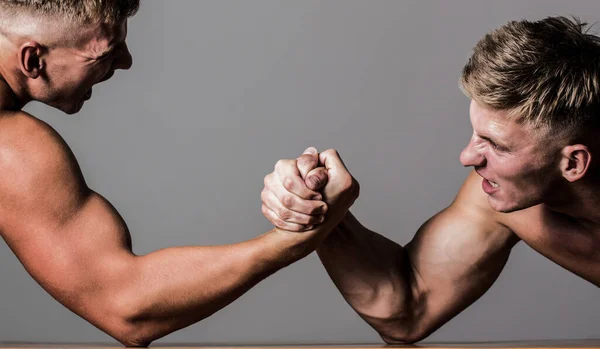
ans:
(175, 287)
(373, 274)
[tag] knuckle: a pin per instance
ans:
(288, 183)
(263, 195)
(285, 214)
(279, 223)
(278, 164)
(287, 201)
(267, 179)
(281, 165)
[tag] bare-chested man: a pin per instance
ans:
(535, 111)
(68, 237)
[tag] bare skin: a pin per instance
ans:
(73, 242)
(541, 195)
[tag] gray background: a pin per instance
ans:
(220, 90)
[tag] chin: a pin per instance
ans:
(71, 112)
(70, 109)
(505, 207)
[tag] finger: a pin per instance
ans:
(316, 179)
(286, 173)
(292, 208)
(330, 158)
(307, 161)
(276, 221)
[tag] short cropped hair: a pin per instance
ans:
(545, 73)
(78, 11)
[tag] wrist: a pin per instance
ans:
(286, 247)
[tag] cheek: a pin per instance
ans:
(510, 169)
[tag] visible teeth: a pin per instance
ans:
(494, 184)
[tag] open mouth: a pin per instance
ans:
(88, 95)
(493, 184)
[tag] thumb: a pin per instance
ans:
(308, 161)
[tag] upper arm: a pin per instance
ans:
(456, 256)
(69, 238)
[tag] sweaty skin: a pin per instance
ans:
(407, 292)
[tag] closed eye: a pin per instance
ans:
(494, 145)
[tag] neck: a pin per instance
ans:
(578, 200)
(12, 94)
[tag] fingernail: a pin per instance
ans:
(310, 150)
(317, 197)
(309, 227)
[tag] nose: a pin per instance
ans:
(123, 60)
(470, 156)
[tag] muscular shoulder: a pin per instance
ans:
(30, 142)
(37, 166)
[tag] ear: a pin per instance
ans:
(575, 162)
(31, 61)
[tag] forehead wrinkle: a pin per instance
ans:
(116, 34)
(99, 40)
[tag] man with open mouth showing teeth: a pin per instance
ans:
(535, 112)
(70, 239)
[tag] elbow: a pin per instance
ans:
(128, 324)
(130, 333)
(130, 336)
(402, 332)
(406, 327)
(401, 337)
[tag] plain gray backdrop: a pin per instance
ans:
(220, 90)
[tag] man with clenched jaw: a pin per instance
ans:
(535, 112)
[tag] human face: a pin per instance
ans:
(518, 166)
(92, 56)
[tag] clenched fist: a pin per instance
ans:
(315, 188)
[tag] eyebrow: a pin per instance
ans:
(498, 144)
(104, 54)
(112, 48)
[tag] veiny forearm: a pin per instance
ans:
(372, 273)
(176, 287)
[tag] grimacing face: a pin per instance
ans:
(71, 70)
(518, 168)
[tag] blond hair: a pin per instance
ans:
(546, 73)
(76, 11)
